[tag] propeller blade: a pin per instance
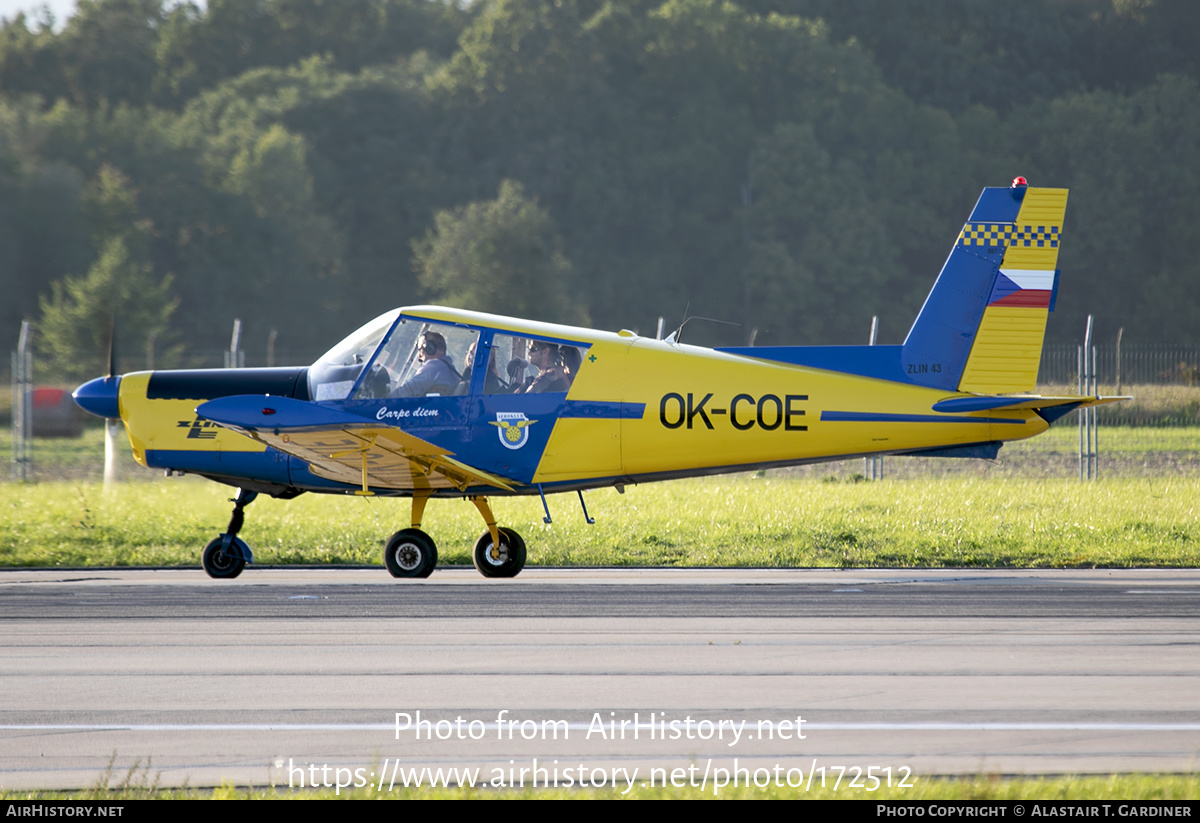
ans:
(112, 347)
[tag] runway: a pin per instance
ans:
(622, 675)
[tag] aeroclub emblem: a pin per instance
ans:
(513, 428)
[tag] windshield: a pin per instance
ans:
(334, 374)
(421, 358)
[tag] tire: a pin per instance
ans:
(220, 564)
(507, 561)
(410, 553)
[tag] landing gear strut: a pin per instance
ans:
(411, 553)
(228, 554)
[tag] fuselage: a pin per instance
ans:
(636, 410)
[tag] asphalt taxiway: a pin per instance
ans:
(186, 679)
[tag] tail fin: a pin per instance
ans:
(982, 326)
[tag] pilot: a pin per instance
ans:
(436, 375)
(550, 378)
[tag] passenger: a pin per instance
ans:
(436, 376)
(572, 360)
(492, 384)
(550, 378)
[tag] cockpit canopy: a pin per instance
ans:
(400, 356)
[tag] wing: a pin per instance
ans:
(345, 447)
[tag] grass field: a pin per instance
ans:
(1025, 509)
(775, 520)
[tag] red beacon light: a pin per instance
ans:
(1019, 181)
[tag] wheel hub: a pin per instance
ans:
(408, 556)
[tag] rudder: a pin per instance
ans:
(982, 326)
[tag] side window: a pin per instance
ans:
(421, 359)
(529, 365)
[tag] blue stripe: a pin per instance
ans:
(269, 466)
(872, 417)
(969, 404)
(880, 362)
(603, 410)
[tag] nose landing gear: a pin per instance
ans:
(226, 556)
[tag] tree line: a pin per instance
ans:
(790, 168)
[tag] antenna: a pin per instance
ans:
(673, 337)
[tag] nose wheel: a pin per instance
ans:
(503, 560)
(226, 556)
(222, 561)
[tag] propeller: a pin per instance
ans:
(100, 396)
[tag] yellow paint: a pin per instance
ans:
(581, 448)
(1007, 351)
(632, 369)
(1041, 210)
(156, 424)
(655, 370)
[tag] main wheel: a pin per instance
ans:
(505, 560)
(410, 553)
(221, 564)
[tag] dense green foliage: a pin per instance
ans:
(791, 166)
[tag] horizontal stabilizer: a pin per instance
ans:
(981, 451)
(987, 402)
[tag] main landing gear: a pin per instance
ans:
(228, 554)
(412, 553)
(503, 559)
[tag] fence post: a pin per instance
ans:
(1094, 423)
(1079, 414)
(873, 466)
(1086, 381)
(235, 358)
(1120, 332)
(22, 407)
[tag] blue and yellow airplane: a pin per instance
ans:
(436, 402)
